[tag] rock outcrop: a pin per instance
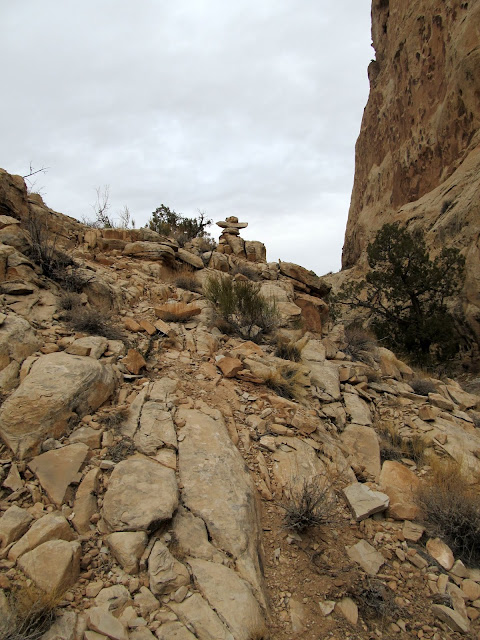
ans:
(417, 157)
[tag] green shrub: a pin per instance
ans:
(404, 292)
(166, 222)
(241, 305)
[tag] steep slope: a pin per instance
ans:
(417, 157)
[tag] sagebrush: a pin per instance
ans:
(310, 503)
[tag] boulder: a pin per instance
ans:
(230, 597)
(128, 548)
(363, 501)
(363, 445)
(156, 429)
(150, 251)
(13, 524)
(101, 621)
(54, 566)
(218, 489)
(357, 409)
(17, 340)
(52, 526)
(296, 465)
(313, 282)
(400, 484)
(190, 258)
(195, 613)
(140, 496)
(166, 574)
(58, 386)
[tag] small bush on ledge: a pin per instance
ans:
(241, 305)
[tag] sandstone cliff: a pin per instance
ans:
(417, 157)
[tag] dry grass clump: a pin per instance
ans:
(188, 281)
(241, 305)
(91, 321)
(394, 447)
(30, 613)
(177, 312)
(360, 344)
(288, 350)
(114, 419)
(451, 510)
(422, 386)
(311, 504)
(286, 381)
(375, 600)
(121, 450)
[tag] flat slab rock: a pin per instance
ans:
(231, 597)
(58, 385)
(56, 469)
(141, 493)
(367, 557)
(363, 501)
(54, 566)
(218, 488)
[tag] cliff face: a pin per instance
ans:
(418, 153)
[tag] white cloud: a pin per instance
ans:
(246, 108)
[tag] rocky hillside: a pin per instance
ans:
(417, 157)
(154, 466)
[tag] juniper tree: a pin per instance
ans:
(406, 292)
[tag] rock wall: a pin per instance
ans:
(417, 158)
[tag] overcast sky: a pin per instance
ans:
(246, 108)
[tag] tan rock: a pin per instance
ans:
(166, 574)
(58, 468)
(217, 488)
(85, 504)
(134, 361)
(130, 504)
(174, 631)
(317, 285)
(101, 621)
(190, 258)
(155, 429)
(367, 557)
(439, 401)
(440, 552)
(13, 524)
(52, 526)
(427, 413)
(400, 484)
(54, 566)
(17, 339)
(57, 386)
(131, 325)
(363, 501)
(128, 547)
(196, 614)
(364, 446)
(455, 621)
(112, 598)
(86, 435)
(412, 531)
(93, 346)
(348, 609)
(229, 366)
(223, 588)
(148, 327)
(149, 251)
(357, 409)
